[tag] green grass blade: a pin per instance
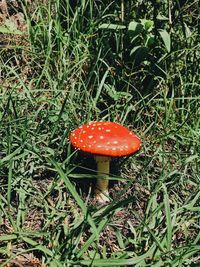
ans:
(10, 175)
(92, 238)
(74, 193)
(118, 262)
(168, 218)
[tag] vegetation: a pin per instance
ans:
(65, 63)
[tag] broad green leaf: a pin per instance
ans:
(139, 54)
(150, 40)
(9, 27)
(188, 32)
(162, 17)
(148, 24)
(135, 27)
(166, 39)
(135, 49)
(112, 26)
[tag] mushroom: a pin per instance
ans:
(105, 140)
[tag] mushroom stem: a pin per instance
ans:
(103, 168)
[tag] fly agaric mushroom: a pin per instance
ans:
(105, 140)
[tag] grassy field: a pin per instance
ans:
(64, 63)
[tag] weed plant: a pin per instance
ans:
(132, 62)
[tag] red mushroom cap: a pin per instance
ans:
(105, 138)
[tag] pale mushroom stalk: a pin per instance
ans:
(103, 169)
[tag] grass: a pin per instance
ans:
(73, 63)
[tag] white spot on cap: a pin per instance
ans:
(81, 141)
(98, 146)
(131, 133)
(84, 132)
(99, 128)
(101, 137)
(92, 128)
(108, 130)
(115, 142)
(108, 143)
(113, 148)
(90, 136)
(94, 141)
